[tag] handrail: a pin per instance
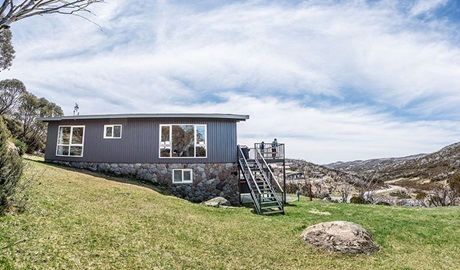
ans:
(241, 158)
(276, 151)
(247, 166)
(269, 169)
(267, 180)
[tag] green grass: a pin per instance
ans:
(81, 220)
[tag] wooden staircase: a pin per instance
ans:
(259, 178)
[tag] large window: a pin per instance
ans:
(70, 141)
(183, 141)
(181, 176)
(112, 132)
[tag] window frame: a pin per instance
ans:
(70, 144)
(195, 145)
(182, 176)
(113, 127)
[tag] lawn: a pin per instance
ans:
(82, 220)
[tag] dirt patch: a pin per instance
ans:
(316, 212)
(413, 183)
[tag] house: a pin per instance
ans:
(195, 155)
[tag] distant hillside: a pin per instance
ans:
(436, 166)
(321, 171)
(370, 165)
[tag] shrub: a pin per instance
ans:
(10, 170)
(454, 183)
(401, 194)
(358, 200)
(421, 196)
(22, 147)
(291, 187)
(322, 195)
(383, 203)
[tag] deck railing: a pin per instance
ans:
(271, 150)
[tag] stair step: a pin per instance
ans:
(270, 207)
(266, 191)
(273, 212)
(268, 202)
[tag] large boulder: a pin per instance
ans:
(217, 202)
(340, 236)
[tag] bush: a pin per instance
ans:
(454, 183)
(421, 196)
(358, 200)
(291, 187)
(322, 195)
(22, 147)
(10, 170)
(401, 194)
(383, 203)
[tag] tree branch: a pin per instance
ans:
(10, 12)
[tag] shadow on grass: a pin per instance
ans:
(108, 176)
(291, 204)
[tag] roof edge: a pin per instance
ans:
(237, 117)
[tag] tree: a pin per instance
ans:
(19, 109)
(367, 188)
(446, 194)
(11, 92)
(27, 112)
(10, 170)
(37, 131)
(11, 12)
(6, 49)
(33, 132)
(345, 191)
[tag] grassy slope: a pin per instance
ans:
(78, 220)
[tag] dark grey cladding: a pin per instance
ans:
(140, 138)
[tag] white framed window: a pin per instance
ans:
(112, 131)
(70, 141)
(182, 176)
(183, 141)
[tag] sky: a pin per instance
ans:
(333, 80)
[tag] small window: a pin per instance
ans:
(112, 131)
(182, 176)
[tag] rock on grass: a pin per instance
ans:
(340, 236)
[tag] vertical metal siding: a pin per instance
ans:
(51, 140)
(140, 141)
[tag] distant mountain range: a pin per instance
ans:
(318, 171)
(436, 166)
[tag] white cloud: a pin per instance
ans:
(342, 80)
(330, 134)
(426, 6)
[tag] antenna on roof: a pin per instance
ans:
(75, 109)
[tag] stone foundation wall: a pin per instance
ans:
(210, 180)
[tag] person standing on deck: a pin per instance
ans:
(274, 147)
(262, 146)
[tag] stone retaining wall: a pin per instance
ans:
(210, 180)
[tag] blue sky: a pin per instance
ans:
(334, 80)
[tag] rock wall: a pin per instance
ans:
(210, 180)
